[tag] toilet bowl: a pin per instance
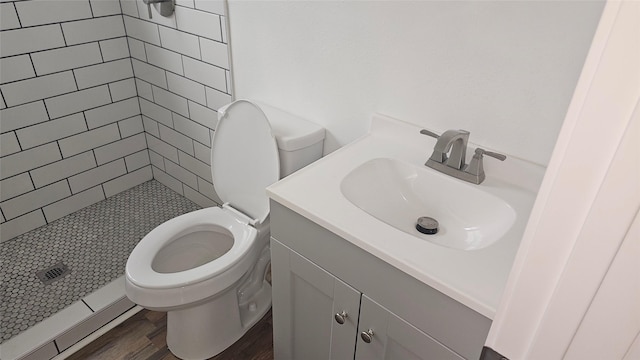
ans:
(207, 268)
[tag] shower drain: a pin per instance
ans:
(53, 273)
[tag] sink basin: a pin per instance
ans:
(399, 193)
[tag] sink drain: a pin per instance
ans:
(53, 273)
(427, 225)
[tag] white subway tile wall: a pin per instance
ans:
(26, 40)
(103, 73)
(8, 17)
(47, 12)
(38, 88)
(105, 7)
(68, 95)
(114, 49)
(20, 66)
(9, 143)
(137, 160)
(123, 89)
(102, 28)
(96, 97)
(128, 181)
(131, 126)
(66, 58)
(171, 101)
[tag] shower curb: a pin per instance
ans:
(60, 333)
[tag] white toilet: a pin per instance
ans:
(207, 268)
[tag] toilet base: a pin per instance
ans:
(203, 331)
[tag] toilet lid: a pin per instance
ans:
(244, 159)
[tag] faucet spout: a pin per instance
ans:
(454, 141)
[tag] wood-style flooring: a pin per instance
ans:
(143, 337)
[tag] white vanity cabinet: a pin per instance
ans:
(320, 280)
(307, 297)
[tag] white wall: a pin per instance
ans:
(503, 70)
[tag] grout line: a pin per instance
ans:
(93, 16)
(70, 194)
(4, 100)
(110, 94)
(17, 14)
(15, 134)
(117, 122)
(75, 79)
(86, 123)
(144, 48)
(33, 66)
(222, 31)
(104, 193)
(33, 183)
(101, 54)
(55, 343)
(63, 37)
(59, 149)
(44, 103)
(84, 302)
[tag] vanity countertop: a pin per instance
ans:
(475, 278)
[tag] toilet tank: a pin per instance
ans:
(300, 142)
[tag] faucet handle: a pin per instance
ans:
(475, 167)
(496, 155)
(427, 132)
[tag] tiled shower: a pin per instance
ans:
(97, 98)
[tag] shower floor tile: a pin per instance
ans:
(94, 243)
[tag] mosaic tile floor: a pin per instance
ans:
(94, 243)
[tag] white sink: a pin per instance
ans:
(371, 192)
(399, 193)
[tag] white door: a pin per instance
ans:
(574, 291)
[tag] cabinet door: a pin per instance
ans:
(394, 338)
(306, 299)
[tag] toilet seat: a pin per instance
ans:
(244, 158)
(157, 289)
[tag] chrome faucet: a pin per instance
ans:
(454, 140)
(449, 153)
